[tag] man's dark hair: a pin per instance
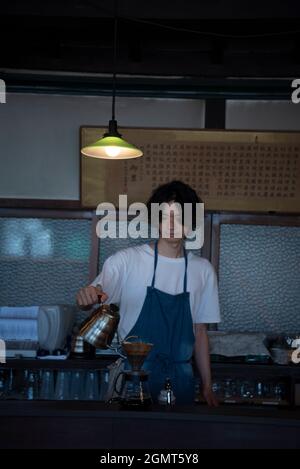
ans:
(176, 191)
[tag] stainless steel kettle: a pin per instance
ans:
(99, 328)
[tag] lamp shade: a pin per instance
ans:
(112, 148)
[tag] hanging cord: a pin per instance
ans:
(114, 57)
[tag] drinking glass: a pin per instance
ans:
(62, 386)
(280, 391)
(91, 389)
(15, 387)
(217, 388)
(77, 385)
(247, 389)
(259, 389)
(47, 386)
(104, 378)
(32, 385)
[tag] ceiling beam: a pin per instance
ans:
(156, 9)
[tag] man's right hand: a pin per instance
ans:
(89, 296)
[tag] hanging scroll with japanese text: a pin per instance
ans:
(230, 170)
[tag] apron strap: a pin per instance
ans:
(155, 265)
(185, 270)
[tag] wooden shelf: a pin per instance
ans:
(257, 369)
(36, 363)
(105, 359)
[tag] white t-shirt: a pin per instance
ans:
(127, 273)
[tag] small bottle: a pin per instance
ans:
(169, 391)
(166, 395)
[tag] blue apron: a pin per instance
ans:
(166, 321)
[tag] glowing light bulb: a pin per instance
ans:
(112, 151)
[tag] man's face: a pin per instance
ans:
(171, 227)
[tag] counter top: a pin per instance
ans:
(82, 424)
(193, 412)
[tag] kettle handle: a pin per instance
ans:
(116, 381)
(99, 287)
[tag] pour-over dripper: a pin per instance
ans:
(136, 352)
(134, 392)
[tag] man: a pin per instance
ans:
(165, 296)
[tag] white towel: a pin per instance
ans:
(19, 312)
(18, 329)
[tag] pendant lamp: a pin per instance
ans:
(112, 146)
